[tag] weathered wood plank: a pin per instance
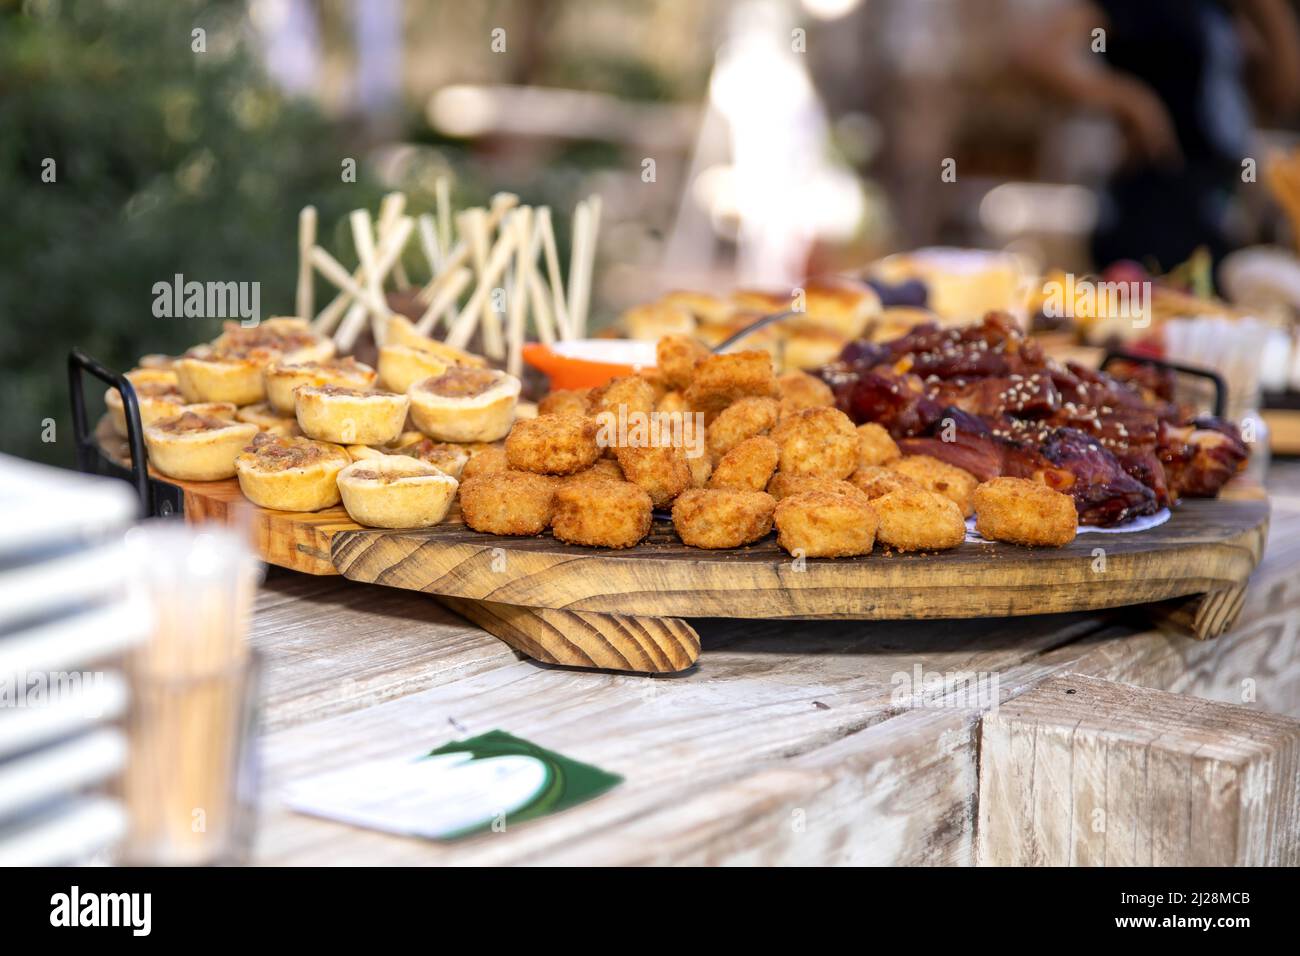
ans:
(1079, 771)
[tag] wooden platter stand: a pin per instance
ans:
(624, 610)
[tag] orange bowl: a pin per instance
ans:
(586, 363)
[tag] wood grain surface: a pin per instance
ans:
(1086, 772)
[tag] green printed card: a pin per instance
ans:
(489, 782)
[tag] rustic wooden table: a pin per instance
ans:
(1067, 739)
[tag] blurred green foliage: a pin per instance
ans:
(166, 160)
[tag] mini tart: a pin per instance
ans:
(290, 474)
(231, 368)
(156, 392)
(401, 366)
(283, 377)
(401, 331)
(207, 375)
(394, 491)
(349, 416)
(195, 447)
(465, 404)
(226, 410)
(266, 418)
(286, 337)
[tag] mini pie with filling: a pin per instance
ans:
(465, 404)
(284, 376)
(395, 491)
(268, 419)
(231, 368)
(290, 474)
(196, 447)
(156, 392)
(350, 416)
(401, 366)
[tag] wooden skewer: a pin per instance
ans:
(532, 285)
(390, 210)
(578, 228)
(463, 328)
(363, 237)
(553, 271)
(331, 269)
(522, 223)
(453, 284)
(448, 302)
(501, 204)
(442, 190)
(589, 260)
(354, 319)
(304, 305)
(473, 226)
(424, 226)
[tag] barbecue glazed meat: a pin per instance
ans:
(986, 399)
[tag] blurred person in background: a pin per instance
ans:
(1184, 80)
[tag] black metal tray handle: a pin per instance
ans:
(1220, 387)
(90, 458)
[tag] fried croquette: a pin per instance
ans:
(817, 441)
(606, 469)
(658, 384)
(721, 517)
(486, 461)
(625, 395)
(738, 421)
(601, 514)
(674, 403)
(820, 525)
(799, 390)
(676, 357)
(748, 466)
(939, 476)
(552, 444)
(919, 520)
(876, 481)
(660, 470)
(566, 401)
(875, 446)
(782, 486)
(701, 467)
(720, 380)
(508, 502)
(1024, 512)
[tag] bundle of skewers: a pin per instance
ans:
(492, 271)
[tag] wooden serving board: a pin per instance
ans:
(622, 609)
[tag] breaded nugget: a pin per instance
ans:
(820, 525)
(628, 394)
(701, 469)
(508, 502)
(661, 470)
(738, 421)
(919, 520)
(566, 401)
(939, 476)
(657, 382)
(783, 486)
(876, 482)
(720, 380)
(875, 446)
(1024, 512)
(673, 402)
(722, 518)
(552, 444)
(817, 441)
(601, 514)
(488, 460)
(748, 466)
(676, 357)
(606, 469)
(799, 390)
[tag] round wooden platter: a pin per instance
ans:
(622, 609)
